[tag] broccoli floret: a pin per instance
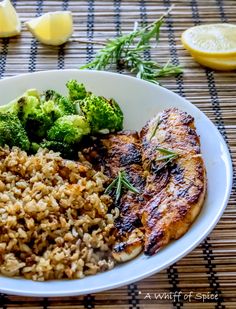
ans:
(57, 105)
(38, 114)
(76, 91)
(33, 118)
(69, 129)
(15, 106)
(102, 114)
(29, 111)
(34, 147)
(12, 132)
(64, 149)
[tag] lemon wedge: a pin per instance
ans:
(52, 28)
(217, 40)
(221, 64)
(9, 21)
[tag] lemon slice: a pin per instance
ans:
(9, 21)
(222, 64)
(212, 40)
(52, 28)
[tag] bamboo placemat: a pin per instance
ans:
(210, 270)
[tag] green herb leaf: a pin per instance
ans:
(129, 186)
(127, 50)
(119, 184)
(154, 32)
(155, 128)
(111, 186)
(168, 157)
(166, 151)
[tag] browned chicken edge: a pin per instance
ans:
(172, 192)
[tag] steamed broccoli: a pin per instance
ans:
(28, 109)
(69, 129)
(55, 122)
(102, 114)
(35, 121)
(12, 132)
(56, 105)
(38, 114)
(42, 114)
(76, 91)
(64, 149)
(15, 106)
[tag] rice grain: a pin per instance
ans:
(55, 221)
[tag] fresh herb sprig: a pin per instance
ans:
(119, 184)
(158, 121)
(127, 51)
(168, 156)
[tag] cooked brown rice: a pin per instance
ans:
(54, 218)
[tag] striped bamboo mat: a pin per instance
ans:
(210, 270)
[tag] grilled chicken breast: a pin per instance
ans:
(164, 163)
(171, 210)
(113, 153)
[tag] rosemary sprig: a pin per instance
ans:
(155, 128)
(166, 151)
(168, 157)
(119, 184)
(127, 51)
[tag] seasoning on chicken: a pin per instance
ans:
(163, 162)
(170, 212)
(115, 153)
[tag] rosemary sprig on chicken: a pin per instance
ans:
(120, 183)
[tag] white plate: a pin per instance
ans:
(140, 101)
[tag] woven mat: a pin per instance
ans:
(210, 270)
